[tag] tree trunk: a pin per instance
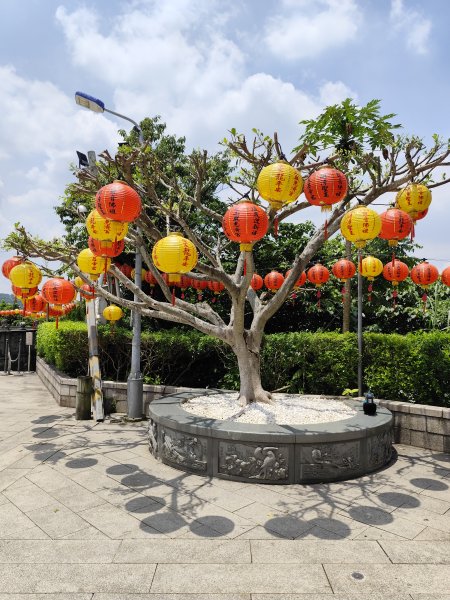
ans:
(249, 362)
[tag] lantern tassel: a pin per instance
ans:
(394, 297)
(57, 322)
(326, 229)
(424, 300)
(413, 232)
(369, 289)
(24, 306)
(275, 227)
(318, 296)
(393, 259)
(343, 294)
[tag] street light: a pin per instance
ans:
(135, 381)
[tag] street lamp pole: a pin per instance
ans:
(359, 329)
(135, 382)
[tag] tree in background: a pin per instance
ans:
(186, 192)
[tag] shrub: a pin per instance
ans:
(413, 367)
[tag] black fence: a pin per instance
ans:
(17, 349)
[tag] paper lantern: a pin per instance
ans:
(25, 275)
(445, 276)
(87, 292)
(199, 285)
(395, 271)
(112, 313)
(91, 264)
(273, 281)
(23, 293)
(424, 275)
(414, 199)
(279, 184)
(216, 286)
(150, 278)
(175, 255)
(298, 284)
(343, 269)
(325, 187)
(143, 274)
(246, 223)
(36, 304)
(119, 202)
(371, 267)
(9, 264)
(256, 282)
(100, 228)
(78, 282)
(106, 248)
(318, 275)
(396, 225)
(360, 225)
(58, 291)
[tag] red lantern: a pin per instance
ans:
(106, 248)
(445, 276)
(245, 223)
(36, 304)
(58, 291)
(395, 271)
(9, 264)
(119, 202)
(396, 225)
(216, 287)
(343, 269)
(24, 293)
(257, 282)
(126, 270)
(199, 285)
(424, 275)
(325, 187)
(184, 283)
(150, 278)
(273, 281)
(318, 275)
(421, 214)
(300, 281)
(87, 292)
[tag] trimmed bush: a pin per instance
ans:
(413, 367)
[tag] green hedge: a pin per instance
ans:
(413, 367)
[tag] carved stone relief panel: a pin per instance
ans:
(253, 461)
(379, 448)
(327, 461)
(184, 449)
(153, 437)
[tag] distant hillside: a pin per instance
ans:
(9, 298)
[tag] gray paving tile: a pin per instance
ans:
(58, 551)
(76, 497)
(28, 496)
(56, 520)
(436, 552)
(88, 533)
(425, 518)
(112, 521)
(47, 578)
(432, 534)
(362, 578)
(13, 520)
(314, 552)
(172, 597)
(184, 551)
(9, 476)
(87, 596)
(373, 596)
(214, 579)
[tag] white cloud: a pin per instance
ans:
(412, 25)
(308, 28)
(182, 64)
(334, 92)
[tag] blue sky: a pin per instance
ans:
(206, 66)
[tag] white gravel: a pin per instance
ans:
(289, 409)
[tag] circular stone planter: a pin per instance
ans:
(277, 454)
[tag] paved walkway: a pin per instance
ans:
(86, 512)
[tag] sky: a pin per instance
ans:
(206, 66)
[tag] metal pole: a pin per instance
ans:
(18, 356)
(135, 383)
(360, 336)
(29, 359)
(6, 353)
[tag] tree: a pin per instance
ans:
(183, 191)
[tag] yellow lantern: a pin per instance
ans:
(91, 264)
(414, 199)
(360, 225)
(26, 275)
(143, 274)
(100, 228)
(279, 184)
(371, 267)
(113, 313)
(174, 254)
(78, 282)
